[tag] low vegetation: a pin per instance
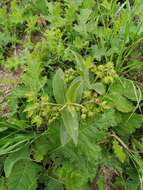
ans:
(71, 95)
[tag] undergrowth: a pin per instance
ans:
(76, 111)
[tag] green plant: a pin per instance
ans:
(75, 112)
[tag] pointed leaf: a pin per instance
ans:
(127, 88)
(74, 92)
(63, 134)
(121, 103)
(12, 159)
(119, 152)
(59, 87)
(23, 176)
(71, 123)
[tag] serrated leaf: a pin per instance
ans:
(131, 91)
(73, 177)
(33, 78)
(74, 92)
(121, 103)
(23, 176)
(12, 159)
(134, 122)
(71, 124)
(107, 119)
(59, 87)
(119, 152)
(54, 185)
(130, 124)
(126, 88)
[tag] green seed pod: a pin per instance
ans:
(84, 110)
(108, 80)
(57, 114)
(77, 108)
(87, 94)
(44, 99)
(90, 114)
(109, 65)
(83, 116)
(50, 121)
(71, 77)
(54, 109)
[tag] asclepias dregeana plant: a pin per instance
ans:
(75, 117)
(65, 132)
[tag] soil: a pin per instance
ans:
(109, 177)
(8, 81)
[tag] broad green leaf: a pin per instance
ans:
(99, 87)
(71, 123)
(41, 148)
(131, 91)
(73, 176)
(129, 124)
(23, 176)
(133, 122)
(3, 184)
(74, 92)
(133, 185)
(64, 136)
(13, 158)
(121, 103)
(41, 144)
(107, 119)
(116, 87)
(59, 87)
(54, 185)
(119, 152)
(127, 88)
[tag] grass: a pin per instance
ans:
(76, 106)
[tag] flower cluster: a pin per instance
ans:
(92, 104)
(70, 74)
(40, 110)
(105, 72)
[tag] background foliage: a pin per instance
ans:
(74, 120)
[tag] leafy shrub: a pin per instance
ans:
(75, 111)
